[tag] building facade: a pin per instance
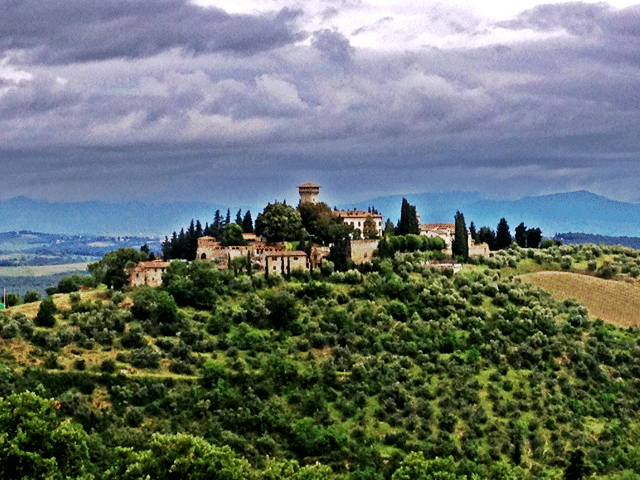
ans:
(356, 219)
(147, 273)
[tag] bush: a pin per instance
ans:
(46, 313)
(31, 296)
(108, 366)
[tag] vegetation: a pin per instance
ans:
(391, 371)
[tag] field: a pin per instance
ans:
(42, 270)
(615, 302)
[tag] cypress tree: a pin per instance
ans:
(247, 223)
(460, 245)
(503, 235)
(239, 217)
(408, 223)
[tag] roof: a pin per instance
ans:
(357, 213)
(152, 264)
(308, 185)
(286, 253)
(437, 226)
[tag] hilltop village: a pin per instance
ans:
(278, 258)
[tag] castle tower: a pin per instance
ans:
(309, 193)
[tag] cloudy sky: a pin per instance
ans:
(238, 102)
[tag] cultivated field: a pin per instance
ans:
(615, 302)
(39, 271)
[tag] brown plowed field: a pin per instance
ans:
(615, 302)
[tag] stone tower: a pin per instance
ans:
(309, 193)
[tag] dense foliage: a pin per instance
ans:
(394, 371)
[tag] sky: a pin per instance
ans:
(240, 102)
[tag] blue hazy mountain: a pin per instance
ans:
(579, 211)
(131, 218)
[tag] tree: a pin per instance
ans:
(503, 235)
(488, 236)
(408, 219)
(239, 217)
(534, 237)
(232, 235)
(31, 296)
(46, 313)
(247, 223)
(111, 270)
(416, 467)
(279, 222)
(35, 442)
(317, 219)
(179, 456)
(369, 229)
(389, 229)
(460, 245)
(521, 235)
(472, 231)
(576, 470)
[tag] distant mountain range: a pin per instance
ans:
(580, 211)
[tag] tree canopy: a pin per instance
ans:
(408, 219)
(279, 222)
(460, 245)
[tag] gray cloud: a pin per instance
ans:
(333, 45)
(62, 31)
(530, 117)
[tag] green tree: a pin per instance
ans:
(389, 229)
(247, 223)
(46, 313)
(239, 217)
(521, 235)
(408, 219)
(317, 219)
(416, 467)
(488, 236)
(232, 235)
(460, 245)
(503, 235)
(279, 222)
(111, 270)
(36, 443)
(179, 456)
(369, 229)
(534, 237)
(31, 296)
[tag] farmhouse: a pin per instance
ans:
(447, 232)
(285, 262)
(147, 273)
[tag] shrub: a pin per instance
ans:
(31, 296)
(108, 366)
(46, 313)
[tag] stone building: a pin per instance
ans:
(309, 193)
(285, 262)
(210, 249)
(147, 273)
(356, 219)
(447, 231)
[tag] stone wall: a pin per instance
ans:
(362, 250)
(281, 263)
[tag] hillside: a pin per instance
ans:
(344, 372)
(613, 301)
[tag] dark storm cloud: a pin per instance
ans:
(62, 31)
(529, 116)
(333, 45)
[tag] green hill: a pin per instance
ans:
(345, 372)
